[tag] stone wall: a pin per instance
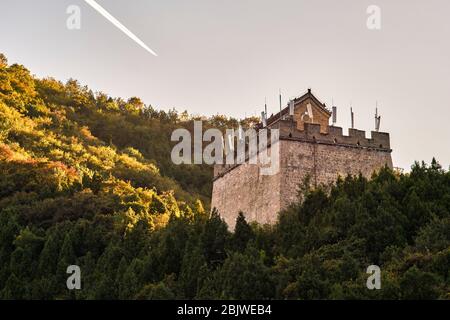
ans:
(322, 155)
(324, 163)
(244, 189)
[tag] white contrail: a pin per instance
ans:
(119, 25)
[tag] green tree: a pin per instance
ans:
(416, 285)
(243, 233)
(214, 238)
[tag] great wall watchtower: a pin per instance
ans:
(308, 146)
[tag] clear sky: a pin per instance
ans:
(227, 56)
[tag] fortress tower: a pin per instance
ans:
(308, 146)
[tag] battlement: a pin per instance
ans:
(313, 133)
(333, 135)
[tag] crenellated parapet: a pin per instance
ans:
(312, 133)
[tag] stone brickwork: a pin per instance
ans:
(320, 114)
(244, 189)
(323, 154)
(324, 163)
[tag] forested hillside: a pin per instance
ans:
(86, 179)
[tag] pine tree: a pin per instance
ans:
(214, 239)
(243, 233)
